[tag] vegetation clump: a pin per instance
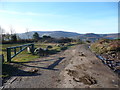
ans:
(109, 50)
(106, 45)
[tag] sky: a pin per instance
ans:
(80, 17)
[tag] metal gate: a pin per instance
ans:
(21, 48)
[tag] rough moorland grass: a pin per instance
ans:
(103, 46)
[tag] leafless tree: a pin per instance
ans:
(2, 34)
(7, 36)
(12, 31)
(27, 33)
(2, 31)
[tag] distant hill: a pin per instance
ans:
(58, 34)
(89, 36)
(111, 36)
(93, 37)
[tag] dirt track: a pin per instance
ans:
(76, 67)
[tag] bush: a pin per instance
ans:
(49, 46)
(63, 48)
(104, 46)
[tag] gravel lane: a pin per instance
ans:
(85, 70)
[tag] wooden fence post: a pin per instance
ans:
(1, 58)
(8, 55)
(32, 47)
(14, 50)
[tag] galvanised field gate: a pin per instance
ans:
(21, 48)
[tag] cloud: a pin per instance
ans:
(10, 12)
(19, 13)
(30, 13)
(16, 28)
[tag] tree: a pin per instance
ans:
(46, 37)
(14, 38)
(2, 33)
(65, 40)
(27, 33)
(36, 36)
(12, 31)
(18, 38)
(7, 36)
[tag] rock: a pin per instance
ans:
(113, 55)
(29, 49)
(33, 70)
(76, 79)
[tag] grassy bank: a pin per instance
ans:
(105, 45)
(110, 51)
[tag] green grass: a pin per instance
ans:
(24, 56)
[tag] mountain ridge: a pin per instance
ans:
(59, 34)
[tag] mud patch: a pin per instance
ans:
(72, 72)
(86, 79)
(81, 66)
(78, 66)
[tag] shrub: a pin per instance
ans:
(49, 46)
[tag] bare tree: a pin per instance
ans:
(7, 36)
(0, 35)
(2, 31)
(12, 31)
(13, 35)
(27, 33)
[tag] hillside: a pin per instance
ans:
(58, 34)
(110, 36)
(89, 36)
